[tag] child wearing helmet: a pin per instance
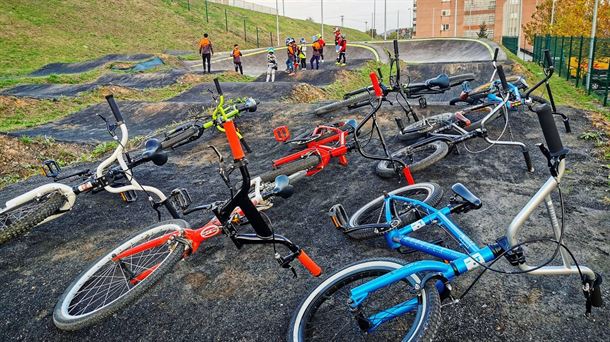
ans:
(342, 45)
(337, 33)
(271, 64)
(291, 54)
(322, 45)
(236, 54)
(315, 54)
(302, 47)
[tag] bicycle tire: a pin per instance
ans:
(425, 323)
(64, 315)
(433, 152)
(184, 136)
(341, 104)
(374, 209)
(291, 168)
(419, 129)
(49, 205)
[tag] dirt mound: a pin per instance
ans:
(22, 157)
(305, 93)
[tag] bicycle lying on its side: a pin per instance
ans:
(387, 299)
(50, 201)
(121, 276)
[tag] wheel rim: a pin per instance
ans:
(405, 211)
(17, 214)
(107, 281)
(414, 156)
(333, 312)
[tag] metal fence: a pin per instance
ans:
(510, 43)
(246, 5)
(571, 58)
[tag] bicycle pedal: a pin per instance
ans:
(129, 196)
(180, 198)
(338, 216)
(423, 103)
(50, 168)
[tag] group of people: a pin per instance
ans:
(296, 53)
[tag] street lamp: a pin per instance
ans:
(592, 44)
(385, 17)
(277, 22)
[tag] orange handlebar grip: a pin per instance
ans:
(309, 264)
(234, 142)
(375, 82)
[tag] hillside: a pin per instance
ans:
(39, 32)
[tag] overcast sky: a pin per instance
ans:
(356, 12)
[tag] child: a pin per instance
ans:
(271, 64)
(342, 44)
(206, 51)
(322, 45)
(315, 54)
(337, 32)
(236, 54)
(302, 53)
(291, 53)
(296, 61)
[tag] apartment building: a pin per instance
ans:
(463, 18)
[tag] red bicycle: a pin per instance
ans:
(121, 276)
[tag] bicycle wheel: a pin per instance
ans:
(325, 315)
(291, 168)
(420, 128)
(110, 285)
(20, 220)
(417, 158)
(341, 104)
(373, 212)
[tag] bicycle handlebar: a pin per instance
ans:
(217, 84)
(549, 129)
(396, 48)
(234, 143)
(376, 86)
(548, 59)
(114, 108)
(496, 54)
(502, 76)
(309, 264)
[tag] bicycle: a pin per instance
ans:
(138, 263)
(354, 295)
(430, 140)
(365, 96)
(50, 201)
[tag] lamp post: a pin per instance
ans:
(385, 19)
(322, 16)
(592, 44)
(277, 22)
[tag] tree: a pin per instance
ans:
(482, 31)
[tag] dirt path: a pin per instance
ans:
(227, 294)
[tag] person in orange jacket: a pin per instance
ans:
(322, 44)
(236, 54)
(206, 51)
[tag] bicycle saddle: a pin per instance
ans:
(153, 151)
(460, 190)
(441, 81)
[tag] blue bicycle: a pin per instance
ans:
(384, 299)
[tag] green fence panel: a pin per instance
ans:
(511, 43)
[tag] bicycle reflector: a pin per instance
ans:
(281, 134)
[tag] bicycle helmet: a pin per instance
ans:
(271, 50)
(342, 36)
(303, 41)
(314, 39)
(319, 36)
(288, 40)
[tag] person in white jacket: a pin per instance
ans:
(271, 64)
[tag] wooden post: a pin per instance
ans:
(207, 18)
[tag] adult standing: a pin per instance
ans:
(206, 51)
(315, 52)
(322, 44)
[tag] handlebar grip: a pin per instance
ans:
(217, 84)
(502, 76)
(234, 141)
(114, 108)
(496, 54)
(379, 73)
(376, 86)
(549, 129)
(309, 264)
(548, 59)
(396, 48)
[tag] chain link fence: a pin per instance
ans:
(571, 57)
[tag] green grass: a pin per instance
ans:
(355, 79)
(35, 32)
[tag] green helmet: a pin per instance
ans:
(271, 50)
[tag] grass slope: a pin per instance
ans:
(36, 32)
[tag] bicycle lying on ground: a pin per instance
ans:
(50, 201)
(125, 273)
(429, 140)
(365, 96)
(387, 299)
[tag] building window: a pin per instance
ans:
(445, 27)
(445, 13)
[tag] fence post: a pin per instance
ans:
(226, 21)
(607, 85)
(563, 40)
(569, 59)
(257, 44)
(207, 18)
(590, 76)
(245, 37)
(555, 49)
(579, 60)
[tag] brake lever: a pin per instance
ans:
(110, 127)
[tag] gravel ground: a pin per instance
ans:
(226, 294)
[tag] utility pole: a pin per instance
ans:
(374, 22)
(366, 27)
(277, 22)
(372, 25)
(592, 44)
(342, 21)
(397, 23)
(283, 9)
(322, 16)
(385, 19)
